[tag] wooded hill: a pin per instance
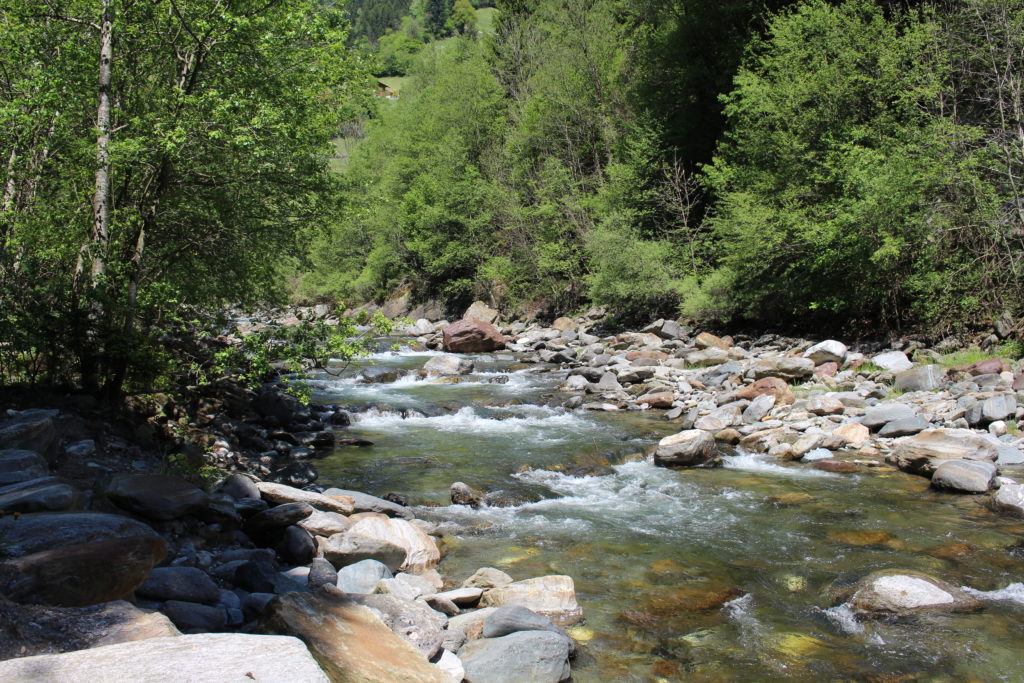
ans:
(849, 164)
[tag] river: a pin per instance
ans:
(718, 575)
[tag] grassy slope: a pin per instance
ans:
(485, 19)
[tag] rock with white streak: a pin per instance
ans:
(278, 494)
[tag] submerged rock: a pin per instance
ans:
(896, 593)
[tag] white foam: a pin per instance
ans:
(844, 619)
(535, 419)
(752, 462)
(1012, 593)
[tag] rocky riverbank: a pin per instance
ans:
(112, 551)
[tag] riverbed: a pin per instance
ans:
(736, 573)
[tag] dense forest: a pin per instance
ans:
(852, 164)
(848, 164)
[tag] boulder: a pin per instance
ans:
(487, 577)
(451, 665)
(922, 453)
(825, 405)
(179, 583)
(348, 639)
(47, 494)
(969, 476)
(296, 546)
(562, 324)
(767, 386)
(421, 552)
(884, 413)
(448, 366)
(708, 357)
(277, 517)
(348, 548)
(514, 618)
(30, 430)
(464, 494)
(660, 399)
(27, 534)
(706, 340)
(998, 408)
(468, 626)
(828, 351)
(325, 524)
(362, 577)
(535, 656)
(413, 621)
(279, 494)
(18, 465)
(82, 574)
(922, 378)
(852, 433)
(551, 596)
(200, 658)
(1009, 498)
(758, 408)
(786, 367)
(892, 361)
(277, 405)
(194, 617)
(689, 448)
(901, 593)
(478, 310)
(471, 336)
(158, 497)
(364, 502)
(321, 573)
(239, 486)
(904, 426)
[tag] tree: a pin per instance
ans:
(208, 160)
(437, 15)
(463, 19)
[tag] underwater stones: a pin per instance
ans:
(551, 596)
(839, 466)
(689, 448)
(464, 494)
(900, 593)
(968, 476)
(866, 538)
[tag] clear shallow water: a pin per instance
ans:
(728, 574)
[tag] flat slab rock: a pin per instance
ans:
(278, 494)
(200, 658)
(32, 533)
(348, 639)
(158, 497)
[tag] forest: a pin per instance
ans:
(852, 165)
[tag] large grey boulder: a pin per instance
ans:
(535, 656)
(349, 548)
(1009, 498)
(179, 583)
(364, 502)
(200, 658)
(514, 618)
(900, 593)
(31, 533)
(785, 367)
(893, 361)
(998, 408)
(158, 497)
(922, 453)
(689, 448)
(904, 426)
(47, 494)
(884, 413)
(362, 577)
(706, 358)
(969, 476)
(922, 378)
(551, 596)
(31, 430)
(758, 408)
(448, 366)
(414, 621)
(828, 351)
(17, 465)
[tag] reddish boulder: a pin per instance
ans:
(775, 386)
(827, 369)
(472, 336)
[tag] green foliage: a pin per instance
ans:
(463, 18)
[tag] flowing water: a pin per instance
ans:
(729, 574)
